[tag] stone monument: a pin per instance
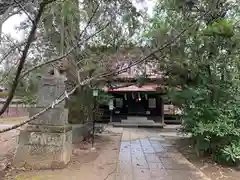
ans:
(46, 142)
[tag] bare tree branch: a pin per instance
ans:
(15, 45)
(3, 79)
(11, 50)
(24, 10)
(23, 58)
(41, 112)
(6, 4)
(66, 54)
(89, 22)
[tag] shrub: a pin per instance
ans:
(215, 127)
(230, 154)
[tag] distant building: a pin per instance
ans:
(138, 91)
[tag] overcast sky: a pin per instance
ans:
(9, 27)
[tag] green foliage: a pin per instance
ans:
(103, 98)
(230, 153)
(81, 105)
(214, 127)
(204, 65)
(27, 87)
(141, 80)
(32, 99)
(220, 27)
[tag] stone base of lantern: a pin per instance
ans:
(46, 143)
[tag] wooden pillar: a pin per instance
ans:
(162, 109)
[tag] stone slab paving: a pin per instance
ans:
(146, 157)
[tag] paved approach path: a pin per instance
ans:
(143, 156)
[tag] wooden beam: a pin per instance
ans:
(162, 109)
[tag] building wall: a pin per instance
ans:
(138, 104)
(151, 110)
(164, 112)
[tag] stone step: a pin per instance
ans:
(137, 121)
(137, 118)
(155, 125)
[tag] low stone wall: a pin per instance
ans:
(15, 111)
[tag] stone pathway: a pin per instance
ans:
(146, 157)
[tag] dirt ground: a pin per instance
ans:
(85, 164)
(8, 143)
(12, 120)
